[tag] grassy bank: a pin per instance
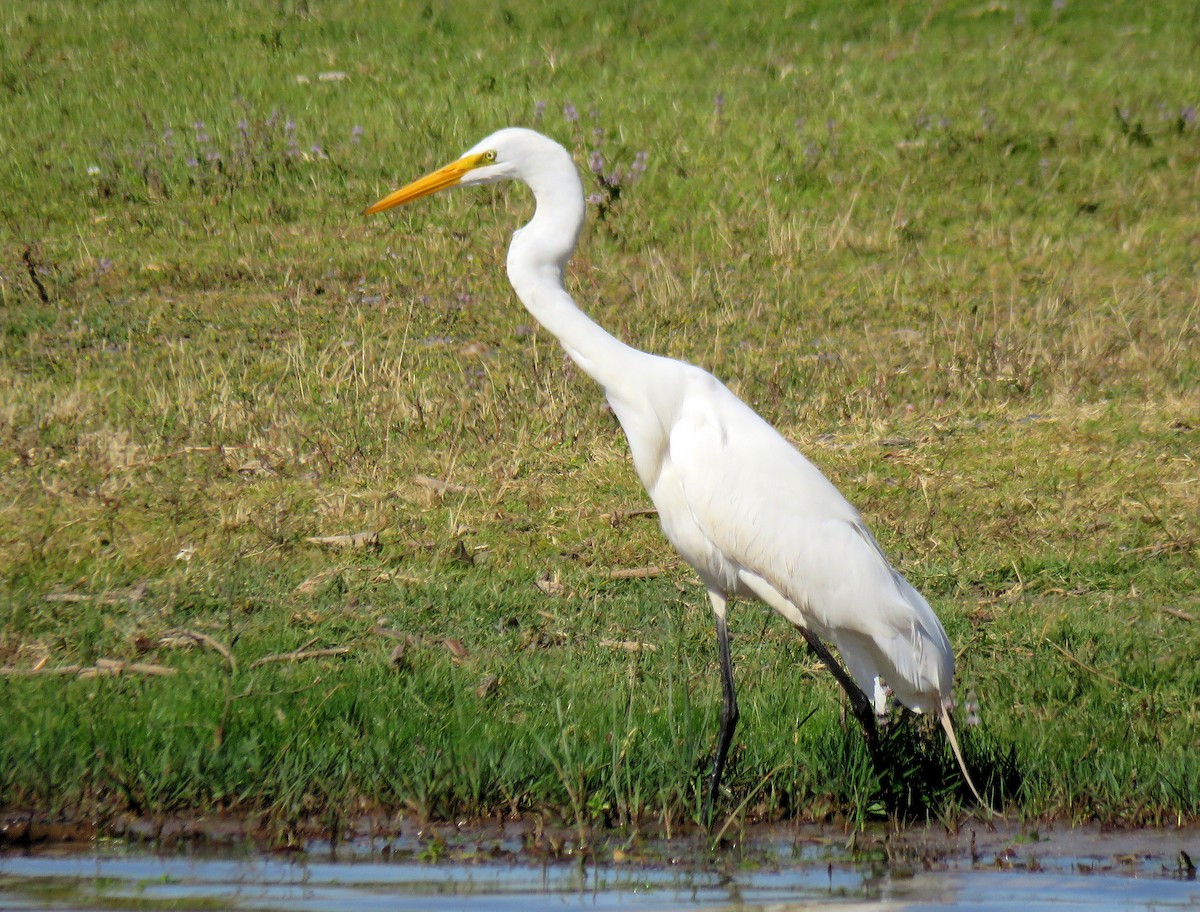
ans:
(950, 250)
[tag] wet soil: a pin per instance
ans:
(971, 843)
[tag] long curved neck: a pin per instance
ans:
(537, 258)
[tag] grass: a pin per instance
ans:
(950, 251)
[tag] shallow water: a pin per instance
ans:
(782, 876)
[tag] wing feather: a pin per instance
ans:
(761, 505)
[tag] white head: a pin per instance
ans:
(513, 153)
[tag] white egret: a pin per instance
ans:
(752, 515)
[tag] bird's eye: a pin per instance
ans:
(489, 155)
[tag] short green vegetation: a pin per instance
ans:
(949, 249)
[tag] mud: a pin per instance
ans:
(972, 842)
(526, 866)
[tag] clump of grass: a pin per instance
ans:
(255, 151)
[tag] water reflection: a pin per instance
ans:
(116, 877)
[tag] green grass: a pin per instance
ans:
(951, 251)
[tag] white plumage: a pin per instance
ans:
(741, 505)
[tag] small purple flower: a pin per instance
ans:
(103, 265)
(293, 145)
(1188, 115)
(539, 109)
(356, 133)
(594, 199)
(191, 162)
(972, 708)
(719, 105)
(570, 113)
(596, 162)
(316, 150)
(1058, 5)
(212, 156)
(638, 168)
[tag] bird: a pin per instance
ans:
(743, 507)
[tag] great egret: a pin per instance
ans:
(752, 515)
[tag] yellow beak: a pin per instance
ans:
(440, 179)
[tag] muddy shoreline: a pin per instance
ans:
(969, 843)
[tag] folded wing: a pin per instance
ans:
(768, 510)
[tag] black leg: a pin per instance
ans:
(860, 705)
(729, 719)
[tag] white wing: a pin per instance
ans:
(758, 509)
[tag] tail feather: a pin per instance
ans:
(949, 727)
